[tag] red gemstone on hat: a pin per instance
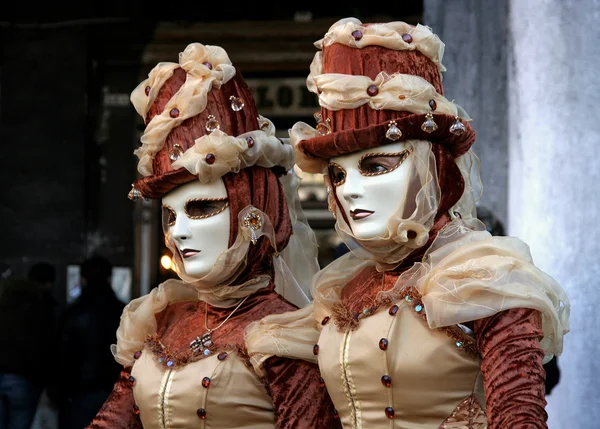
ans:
(389, 412)
(357, 34)
(250, 141)
(407, 38)
(372, 90)
(432, 104)
(411, 234)
(206, 382)
(393, 310)
(316, 349)
(201, 413)
(210, 158)
(325, 320)
(137, 354)
(136, 409)
(174, 113)
(147, 90)
(383, 344)
(208, 65)
(222, 356)
(386, 380)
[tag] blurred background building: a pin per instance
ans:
(525, 70)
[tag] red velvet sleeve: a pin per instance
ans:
(118, 412)
(512, 369)
(300, 400)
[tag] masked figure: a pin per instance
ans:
(233, 224)
(428, 321)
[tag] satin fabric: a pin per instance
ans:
(430, 375)
(289, 396)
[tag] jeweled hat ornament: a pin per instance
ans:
(225, 133)
(377, 84)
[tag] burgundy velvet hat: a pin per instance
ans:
(378, 84)
(201, 123)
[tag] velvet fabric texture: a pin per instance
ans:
(261, 188)
(118, 411)
(299, 401)
(232, 123)
(512, 369)
(363, 128)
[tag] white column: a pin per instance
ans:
(475, 33)
(554, 178)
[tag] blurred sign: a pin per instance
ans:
(283, 97)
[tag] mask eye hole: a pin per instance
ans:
(168, 216)
(337, 173)
(375, 164)
(201, 208)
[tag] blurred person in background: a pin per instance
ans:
(86, 370)
(27, 327)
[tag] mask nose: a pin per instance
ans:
(353, 186)
(181, 230)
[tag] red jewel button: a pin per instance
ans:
(137, 354)
(147, 90)
(250, 141)
(132, 379)
(201, 413)
(372, 90)
(208, 65)
(386, 380)
(321, 382)
(393, 310)
(222, 356)
(205, 382)
(210, 158)
(383, 344)
(357, 34)
(316, 349)
(325, 320)
(432, 104)
(407, 38)
(174, 113)
(136, 409)
(389, 412)
(336, 414)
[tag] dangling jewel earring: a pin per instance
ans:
(254, 222)
(393, 132)
(457, 126)
(429, 125)
(134, 194)
(323, 128)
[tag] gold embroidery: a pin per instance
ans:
(467, 415)
(349, 388)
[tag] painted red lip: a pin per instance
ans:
(360, 214)
(188, 253)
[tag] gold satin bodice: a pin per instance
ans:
(431, 379)
(231, 396)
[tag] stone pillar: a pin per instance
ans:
(553, 178)
(475, 33)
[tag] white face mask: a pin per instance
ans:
(196, 216)
(371, 186)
